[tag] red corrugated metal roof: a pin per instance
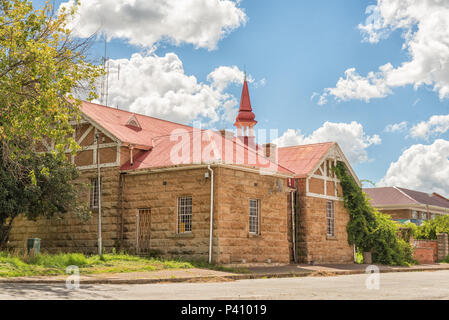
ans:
(115, 120)
(303, 159)
(168, 152)
(154, 138)
(401, 196)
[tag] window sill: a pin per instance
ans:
(254, 236)
(186, 235)
(334, 238)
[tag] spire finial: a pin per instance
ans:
(244, 72)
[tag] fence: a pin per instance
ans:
(431, 251)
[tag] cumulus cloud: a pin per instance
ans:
(158, 86)
(350, 136)
(396, 127)
(434, 126)
(421, 167)
(201, 23)
(425, 29)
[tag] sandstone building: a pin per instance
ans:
(182, 191)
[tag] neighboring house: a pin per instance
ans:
(408, 205)
(269, 204)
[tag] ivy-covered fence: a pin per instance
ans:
(368, 229)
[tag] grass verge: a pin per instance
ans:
(19, 265)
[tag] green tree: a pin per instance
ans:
(430, 228)
(52, 191)
(41, 67)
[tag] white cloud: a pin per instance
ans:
(421, 167)
(158, 86)
(396, 127)
(222, 76)
(434, 126)
(425, 27)
(350, 136)
(201, 23)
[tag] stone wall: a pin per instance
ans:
(314, 244)
(159, 192)
(443, 246)
(68, 233)
(236, 245)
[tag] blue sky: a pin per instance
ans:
(294, 50)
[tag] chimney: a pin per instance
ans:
(226, 134)
(270, 151)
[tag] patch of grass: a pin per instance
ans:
(358, 257)
(16, 265)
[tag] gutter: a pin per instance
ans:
(201, 166)
(211, 211)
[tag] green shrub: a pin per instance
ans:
(368, 229)
(430, 228)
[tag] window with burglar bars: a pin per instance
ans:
(254, 216)
(94, 193)
(184, 214)
(330, 217)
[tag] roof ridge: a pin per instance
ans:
(309, 144)
(405, 194)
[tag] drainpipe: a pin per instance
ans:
(100, 245)
(293, 226)
(211, 211)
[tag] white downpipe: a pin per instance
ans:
(211, 211)
(293, 226)
(100, 244)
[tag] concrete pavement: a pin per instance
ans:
(398, 285)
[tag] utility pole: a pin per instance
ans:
(100, 246)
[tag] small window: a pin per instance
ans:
(415, 214)
(434, 216)
(94, 199)
(330, 217)
(184, 214)
(254, 207)
(424, 215)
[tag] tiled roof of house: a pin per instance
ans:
(304, 158)
(401, 196)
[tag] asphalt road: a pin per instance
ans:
(407, 285)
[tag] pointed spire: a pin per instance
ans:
(245, 116)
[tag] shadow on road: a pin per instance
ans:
(12, 291)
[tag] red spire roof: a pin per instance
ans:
(246, 114)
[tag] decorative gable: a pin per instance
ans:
(322, 182)
(132, 122)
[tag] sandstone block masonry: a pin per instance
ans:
(125, 194)
(314, 243)
(69, 233)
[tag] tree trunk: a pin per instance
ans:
(5, 230)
